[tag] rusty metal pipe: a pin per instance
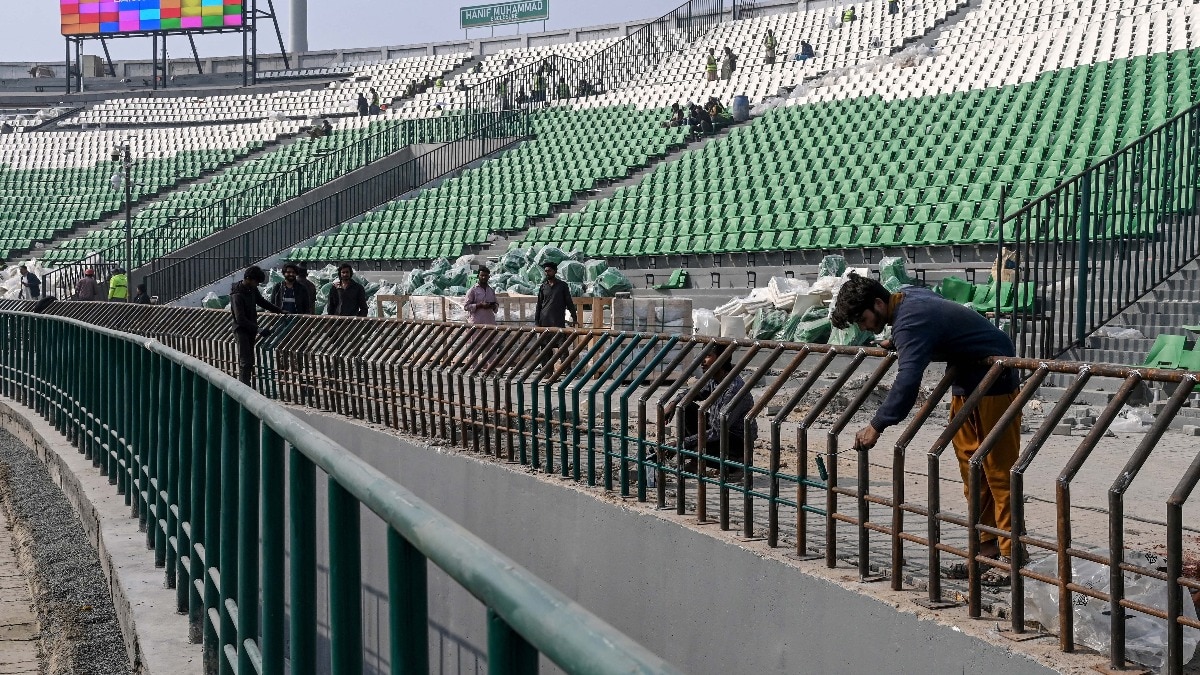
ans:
(1116, 511)
(1062, 490)
(898, 487)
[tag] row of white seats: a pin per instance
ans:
(60, 149)
(332, 100)
(1013, 61)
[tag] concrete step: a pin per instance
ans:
(1089, 397)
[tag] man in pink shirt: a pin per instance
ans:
(481, 302)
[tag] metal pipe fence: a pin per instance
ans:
(595, 407)
(1099, 241)
(199, 458)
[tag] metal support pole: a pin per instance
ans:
(1081, 295)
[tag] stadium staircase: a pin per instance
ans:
(89, 233)
(55, 181)
(502, 242)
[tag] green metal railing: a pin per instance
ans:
(197, 456)
(1104, 238)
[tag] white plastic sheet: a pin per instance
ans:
(1145, 636)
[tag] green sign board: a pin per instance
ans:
(504, 12)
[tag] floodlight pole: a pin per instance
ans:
(123, 155)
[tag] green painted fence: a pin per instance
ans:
(197, 456)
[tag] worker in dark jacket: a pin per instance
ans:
(927, 327)
(554, 302)
(347, 297)
(244, 300)
(291, 295)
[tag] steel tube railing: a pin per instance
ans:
(220, 535)
(420, 369)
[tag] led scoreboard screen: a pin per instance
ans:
(82, 17)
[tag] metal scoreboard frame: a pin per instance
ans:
(252, 11)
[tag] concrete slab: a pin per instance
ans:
(18, 623)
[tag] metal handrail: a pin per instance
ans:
(395, 135)
(517, 394)
(1103, 238)
(526, 615)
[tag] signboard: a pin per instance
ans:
(503, 12)
(108, 17)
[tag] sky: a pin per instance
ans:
(29, 29)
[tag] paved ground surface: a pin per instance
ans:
(18, 624)
(79, 633)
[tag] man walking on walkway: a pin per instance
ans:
(926, 327)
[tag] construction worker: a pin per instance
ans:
(769, 47)
(710, 67)
(924, 327)
(118, 286)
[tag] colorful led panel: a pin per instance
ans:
(100, 17)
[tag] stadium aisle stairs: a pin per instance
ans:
(188, 215)
(572, 151)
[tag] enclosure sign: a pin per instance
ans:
(504, 12)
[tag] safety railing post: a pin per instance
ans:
(169, 480)
(271, 469)
(197, 514)
(345, 582)
(230, 481)
(162, 448)
(182, 483)
(408, 606)
(302, 551)
(214, 430)
(247, 538)
(508, 652)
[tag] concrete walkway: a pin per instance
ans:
(18, 625)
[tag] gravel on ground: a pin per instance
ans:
(76, 618)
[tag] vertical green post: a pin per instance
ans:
(508, 652)
(271, 470)
(183, 489)
(408, 606)
(170, 481)
(1082, 271)
(302, 486)
(247, 530)
(345, 582)
(200, 409)
(161, 448)
(215, 432)
(229, 525)
(125, 401)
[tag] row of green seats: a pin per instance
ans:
(872, 172)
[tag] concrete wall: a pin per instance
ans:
(706, 604)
